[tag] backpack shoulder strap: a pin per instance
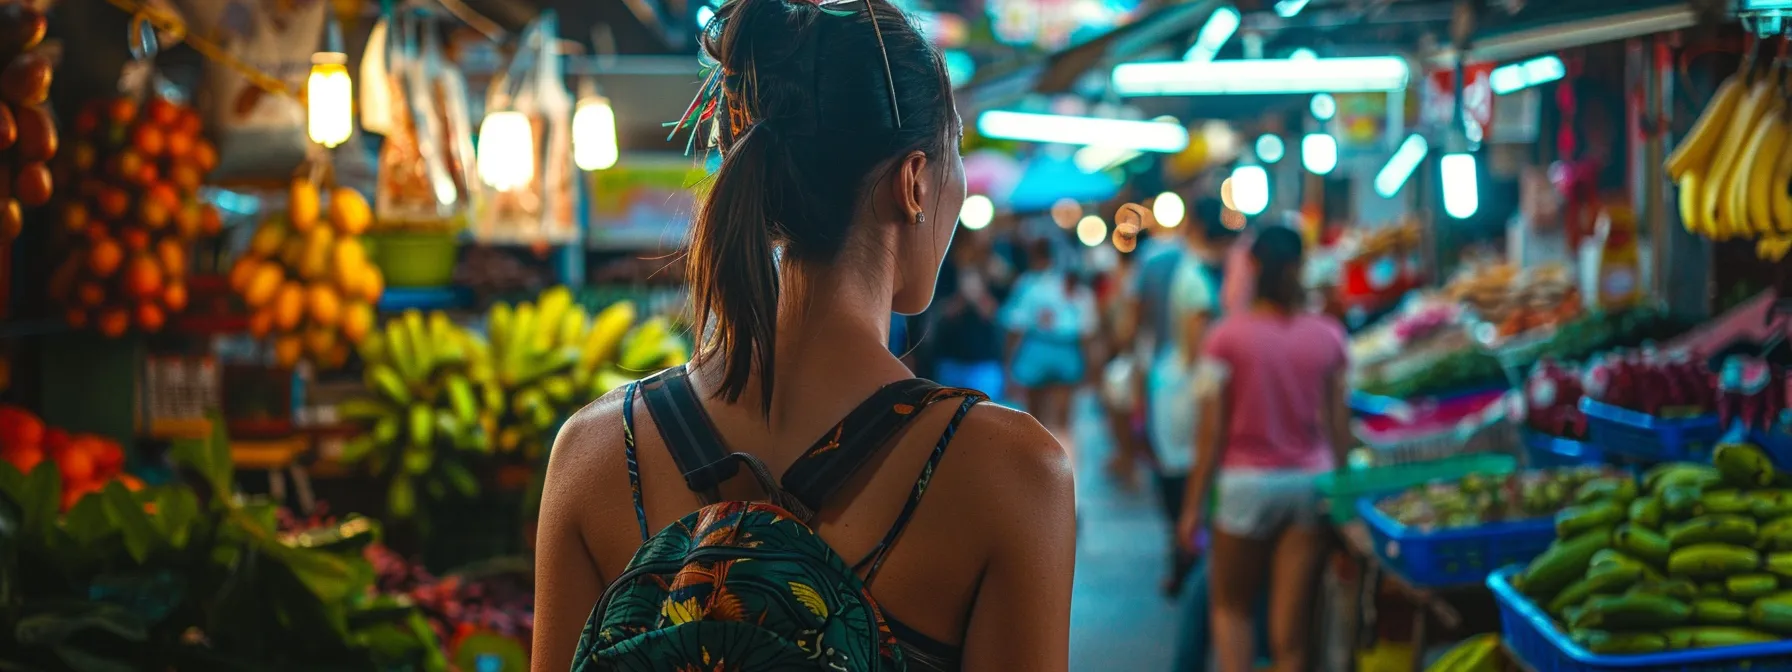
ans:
(695, 446)
(875, 559)
(839, 454)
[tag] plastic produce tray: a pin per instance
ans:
(1342, 488)
(1543, 451)
(1454, 557)
(1649, 438)
(1534, 638)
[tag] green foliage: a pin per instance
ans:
(173, 577)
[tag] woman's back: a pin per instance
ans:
(1279, 370)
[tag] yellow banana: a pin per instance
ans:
(1773, 247)
(573, 325)
(1714, 202)
(1779, 198)
(606, 334)
(421, 346)
(498, 322)
(550, 306)
(398, 347)
(1758, 176)
(1691, 215)
(1735, 207)
(1696, 150)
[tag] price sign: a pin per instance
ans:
(1439, 96)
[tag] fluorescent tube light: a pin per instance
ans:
(1400, 166)
(1095, 158)
(1462, 194)
(1144, 136)
(1262, 76)
(1319, 153)
(1288, 8)
(1514, 77)
(1219, 28)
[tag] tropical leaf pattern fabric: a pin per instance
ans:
(737, 587)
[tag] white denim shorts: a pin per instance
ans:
(1260, 504)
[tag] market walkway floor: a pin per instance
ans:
(1118, 619)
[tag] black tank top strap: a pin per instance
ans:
(875, 559)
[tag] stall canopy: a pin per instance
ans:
(1543, 27)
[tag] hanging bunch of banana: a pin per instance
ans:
(422, 416)
(1734, 168)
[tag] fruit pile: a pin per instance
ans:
(1733, 166)
(133, 214)
(27, 131)
(456, 607)
(307, 280)
(1692, 556)
(442, 394)
(85, 462)
(1476, 499)
(1517, 302)
(1552, 401)
(1672, 384)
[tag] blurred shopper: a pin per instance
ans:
(1271, 380)
(1048, 318)
(1121, 389)
(965, 342)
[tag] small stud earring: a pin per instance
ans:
(920, 218)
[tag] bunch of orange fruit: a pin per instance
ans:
(132, 214)
(86, 462)
(306, 277)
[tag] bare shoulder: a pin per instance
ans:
(1007, 446)
(590, 442)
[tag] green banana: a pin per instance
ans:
(385, 432)
(1575, 520)
(1562, 563)
(1679, 502)
(1707, 637)
(1772, 613)
(1775, 535)
(1780, 564)
(450, 428)
(1614, 643)
(384, 380)
(1574, 595)
(1770, 504)
(558, 388)
(1713, 528)
(1747, 587)
(359, 409)
(492, 396)
(607, 330)
(1724, 501)
(1620, 490)
(607, 380)
(1716, 611)
(418, 458)
(1710, 561)
(356, 449)
(644, 348)
(373, 348)
(1646, 512)
(460, 397)
(521, 342)
(1713, 589)
(1679, 474)
(1476, 654)
(421, 347)
(398, 347)
(450, 341)
(422, 425)
(1743, 465)
(1678, 589)
(1642, 543)
(1632, 611)
(498, 321)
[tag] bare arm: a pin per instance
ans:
(1021, 617)
(1194, 334)
(567, 580)
(1210, 446)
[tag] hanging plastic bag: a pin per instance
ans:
(260, 134)
(375, 84)
(416, 189)
(531, 198)
(449, 89)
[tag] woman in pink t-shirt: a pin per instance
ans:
(1272, 383)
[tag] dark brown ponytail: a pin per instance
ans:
(1278, 251)
(804, 121)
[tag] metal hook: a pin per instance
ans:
(140, 36)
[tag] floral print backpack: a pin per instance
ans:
(749, 586)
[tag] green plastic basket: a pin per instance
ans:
(414, 259)
(1341, 489)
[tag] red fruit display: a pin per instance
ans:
(27, 131)
(86, 462)
(130, 222)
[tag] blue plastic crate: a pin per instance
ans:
(1641, 436)
(1543, 451)
(1454, 557)
(1534, 638)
